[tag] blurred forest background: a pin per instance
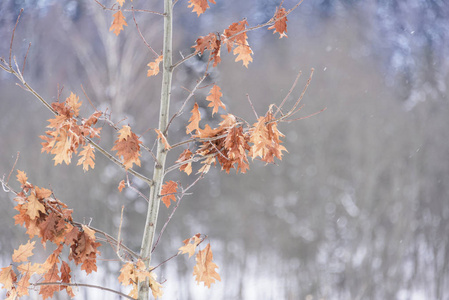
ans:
(358, 208)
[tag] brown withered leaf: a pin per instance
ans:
(163, 139)
(280, 23)
(204, 269)
(199, 6)
(118, 23)
(23, 252)
(214, 98)
(190, 245)
(154, 67)
(194, 121)
(128, 147)
(185, 155)
(121, 185)
(168, 192)
(87, 157)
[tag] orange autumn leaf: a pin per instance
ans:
(194, 120)
(200, 6)
(23, 252)
(73, 102)
(212, 43)
(190, 244)
(204, 269)
(280, 22)
(244, 54)
(168, 192)
(24, 282)
(207, 163)
(121, 2)
(185, 155)
(128, 147)
(87, 157)
(124, 133)
(126, 274)
(163, 139)
(52, 275)
(235, 34)
(62, 148)
(214, 98)
(33, 206)
(121, 185)
(22, 177)
(154, 67)
(66, 278)
(118, 23)
(7, 277)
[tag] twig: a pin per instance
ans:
(13, 167)
(180, 111)
(183, 60)
(128, 183)
(306, 117)
(252, 106)
(183, 193)
(168, 259)
(141, 35)
(293, 109)
(110, 238)
(138, 10)
(88, 99)
(288, 94)
(83, 285)
(12, 37)
(25, 58)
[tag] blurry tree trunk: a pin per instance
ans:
(159, 167)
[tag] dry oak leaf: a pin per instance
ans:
(187, 167)
(194, 121)
(66, 278)
(62, 149)
(280, 22)
(190, 244)
(244, 54)
(121, 185)
(207, 163)
(52, 275)
(204, 269)
(214, 98)
(33, 206)
(126, 276)
(163, 139)
(87, 157)
(232, 34)
(128, 147)
(154, 67)
(200, 6)
(212, 43)
(73, 102)
(118, 23)
(7, 277)
(23, 252)
(24, 282)
(168, 192)
(121, 2)
(156, 287)
(22, 177)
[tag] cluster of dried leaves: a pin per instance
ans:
(49, 219)
(229, 144)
